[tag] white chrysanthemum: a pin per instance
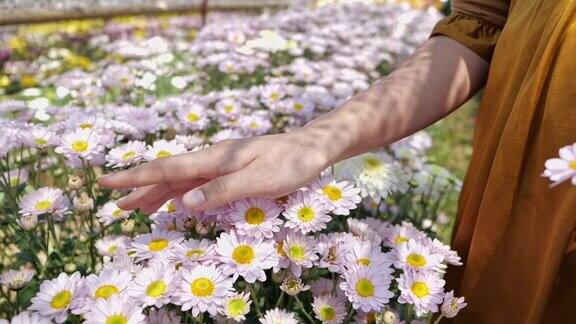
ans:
(102, 286)
(122, 261)
(55, 296)
(236, 306)
(275, 316)
(341, 196)
(39, 137)
(81, 143)
(255, 217)
(367, 254)
(27, 318)
(367, 288)
(563, 168)
(333, 250)
(126, 154)
(194, 252)
(323, 286)
(437, 247)
(329, 309)
(154, 285)
(162, 316)
(423, 289)
(165, 221)
(362, 230)
(374, 174)
(400, 234)
(255, 124)
(116, 309)
(298, 251)
(414, 255)
(194, 117)
(44, 201)
(109, 213)
(306, 212)
(228, 108)
(245, 256)
(203, 289)
(163, 148)
(16, 279)
(112, 244)
(273, 93)
(17, 177)
(158, 244)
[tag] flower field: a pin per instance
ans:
(356, 245)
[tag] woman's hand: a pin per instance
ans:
(267, 166)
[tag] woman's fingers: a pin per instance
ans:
(152, 207)
(152, 193)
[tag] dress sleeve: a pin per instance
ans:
(476, 24)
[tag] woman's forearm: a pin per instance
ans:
(432, 82)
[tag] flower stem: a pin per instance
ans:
(255, 298)
(304, 310)
(437, 321)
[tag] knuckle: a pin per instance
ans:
(218, 189)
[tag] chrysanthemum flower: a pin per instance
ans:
(44, 201)
(122, 261)
(423, 289)
(323, 286)
(157, 244)
(298, 251)
(274, 316)
(367, 254)
(154, 285)
(563, 168)
(236, 306)
(401, 234)
(203, 289)
(28, 318)
(126, 154)
(437, 247)
(451, 305)
(329, 309)
(162, 316)
(194, 252)
(340, 196)
(102, 286)
(255, 217)
(362, 230)
(163, 148)
(228, 108)
(16, 279)
(109, 213)
(116, 309)
(39, 137)
(17, 177)
(55, 296)
(81, 143)
(333, 249)
(255, 124)
(112, 244)
(165, 221)
(306, 212)
(245, 256)
(414, 255)
(367, 288)
(194, 117)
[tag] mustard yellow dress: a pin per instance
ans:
(515, 234)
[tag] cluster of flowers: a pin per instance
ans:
(83, 258)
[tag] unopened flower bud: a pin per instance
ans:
(116, 194)
(29, 222)
(189, 223)
(70, 267)
(83, 203)
(202, 229)
(452, 305)
(75, 182)
(83, 238)
(389, 317)
(293, 286)
(127, 226)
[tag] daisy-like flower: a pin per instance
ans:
(423, 289)
(162, 316)
(367, 288)
(102, 286)
(329, 309)
(563, 168)
(39, 137)
(228, 108)
(340, 196)
(255, 217)
(245, 256)
(362, 230)
(414, 255)
(194, 117)
(306, 212)
(27, 318)
(451, 305)
(154, 285)
(166, 221)
(255, 124)
(194, 252)
(125, 155)
(163, 148)
(81, 143)
(112, 244)
(16, 279)
(55, 296)
(121, 261)
(158, 244)
(203, 289)
(17, 177)
(333, 250)
(323, 286)
(271, 94)
(116, 309)
(236, 306)
(437, 247)
(293, 285)
(109, 213)
(299, 106)
(44, 201)
(367, 254)
(298, 251)
(400, 234)
(275, 316)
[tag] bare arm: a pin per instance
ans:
(432, 82)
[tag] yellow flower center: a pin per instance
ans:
(332, 192)
(298, 107)
(254, 216)
(80, 146)
(236, 307)
(364, 288)
(420, 289)
(371, 163)
(274, 96)
(296, 252)
(400, 239)
(363, 261)
(158, 245)
(171, 208)
(117, 213)
(228, 108)
(193, 252)
(306, 214)
(572, 165)
(40, 141)
(128, 155)
(202, 287)
(116, 319)
(85, 125)
(243, 254)
(327, 313)
(105, 291)
(416, 260)
(14, 181)
(112, 249)
(156, 289)
(61, 300)
(253, 125)
(193, 117)
(43, 205)
(163, 154)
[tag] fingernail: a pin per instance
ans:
(194, 198)
(104, 177)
